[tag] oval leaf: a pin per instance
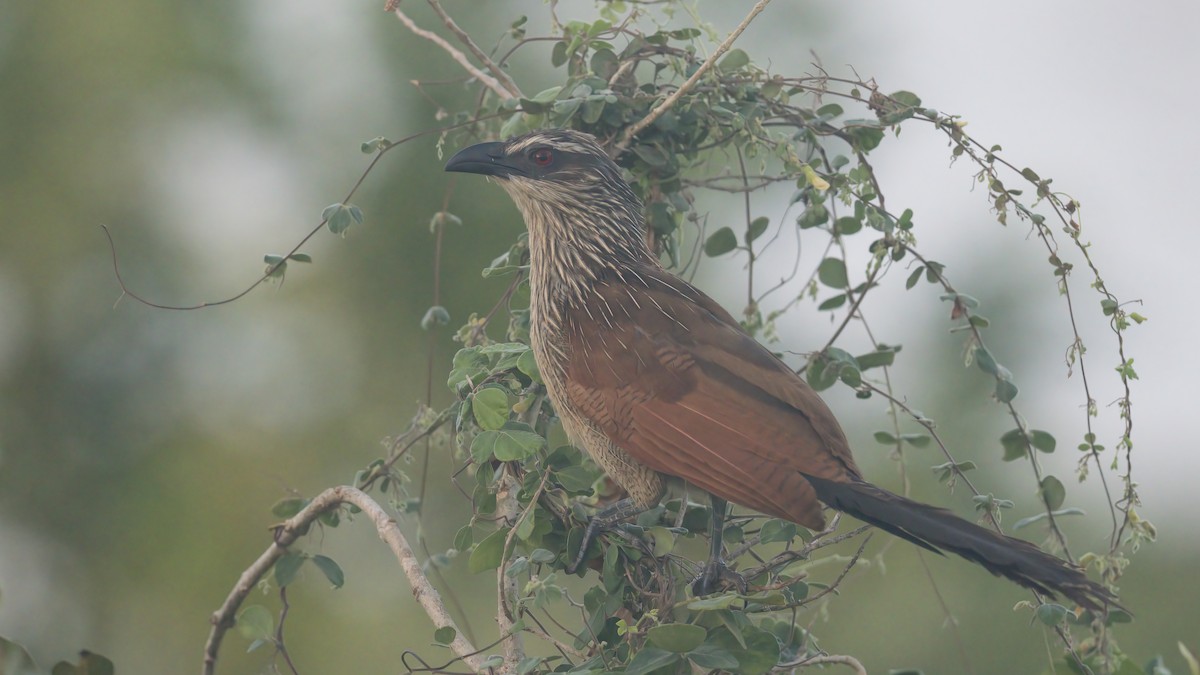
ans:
(676, 637)
(332, 571)
(720, 242)
(490, 407)
(832, 273)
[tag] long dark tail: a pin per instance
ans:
(939, 530)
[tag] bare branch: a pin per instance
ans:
(513, 90)
(509, 510)
(292, 529)
(842, 659)
(487, 80)
(663, 107)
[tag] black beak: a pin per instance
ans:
(482, 158)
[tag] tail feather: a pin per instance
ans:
(940, 530)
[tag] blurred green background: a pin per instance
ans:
(141, 450)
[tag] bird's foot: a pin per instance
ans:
(604, 521)
(716, 576)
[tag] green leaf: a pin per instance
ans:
(1042, 440)
(256, 622)
(300, 257)
(713, 603)
(832, 273)
(813, 216)
(286, 508)
(914, 277)
(90, 663)
(445, 635)
(1014, 444)
(339, 217)
(504, 348)
(676, 637)
(758, 657)
(530, 663)
(1051, 614)
(649, 660)
(832, 302)
(757, 227)
(734, 59)
(435, 316)
(469, 366)
(876, 359)
(1053, 492)
(490, 407)
(527, 364)
(464, 538)
(865, 135)
(1006, 391)
(987, 362)
(287, 567)
(720, 242)
(907, 98)
(711, 657)
(651, 155)
(885, 438)
(332, 571)
(514, 441)
(1026, 522)
(850, 375)
(488, 552)
(541, 102)
(846, 225)
(777, 530)
(829, 111)
(948, 470)
(558, 55)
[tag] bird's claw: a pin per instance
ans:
(716, 576)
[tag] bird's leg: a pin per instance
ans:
(603, 521)
(715, 573)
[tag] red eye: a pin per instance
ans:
(542, 157)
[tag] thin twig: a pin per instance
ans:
(822, 659)
(292, 529)
(279, 643)
(513, 90)
(456, 54)
(663, 107)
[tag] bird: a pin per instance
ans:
(659, 383)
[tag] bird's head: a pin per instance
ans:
(565, 185)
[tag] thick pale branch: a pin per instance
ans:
(455, 53)
(663, 107)
(297, 526)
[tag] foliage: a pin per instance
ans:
(682, 123)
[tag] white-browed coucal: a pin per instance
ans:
(655, 380)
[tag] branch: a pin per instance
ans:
(487, 80)
(663, 107)
(292, 529)
(513, 90)
(509, 510)
(843, 659)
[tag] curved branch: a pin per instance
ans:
(663, 107)
(513, 90)
(823, 659)
(297, 526)
(456, 54)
